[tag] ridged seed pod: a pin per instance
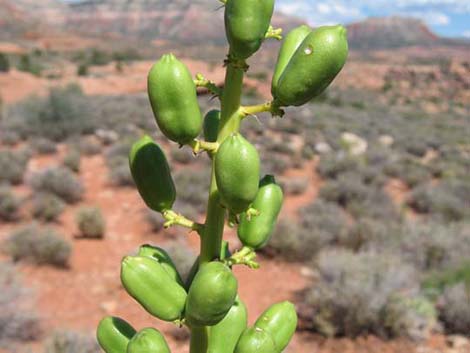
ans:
(147, 282)
(314, 65)
(163, 258)
(256, 340)
(113, 334)
(151, 173)
(256, 231)
(148, 340)
(173, 98)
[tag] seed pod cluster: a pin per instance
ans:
(207, 300)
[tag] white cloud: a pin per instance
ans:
(432, 18)
(466, 34)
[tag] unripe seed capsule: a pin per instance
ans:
(163, 258)
(147, 282)
(173, 97)
(224, 336)
(113, 334)
(211, 125)
(256, 340)
(290, 44)
(211, 295)
(280, 320)
(151, 173)
(246, 24)
(314, 65)
(148, 340)
(237, 168)
(256, 231)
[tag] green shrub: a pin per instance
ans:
(9, 204)
(71, 342)
(16, 326)
(13, 166)
(64, 113)
(357, 294)
(72, 160)
(438, 281)
(28, 64)
(90, 222)
(455, 309)
(58, 181)
(43, 146)
(4, 63)
(82, 69)
(46, 206)
(41, 246)
(295, 186)
(448, 200)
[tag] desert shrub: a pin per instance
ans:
(435, 283)
(182, 257)
(4, 63)
(18, 323)
(275, 164)
(9, 204)
(155, 220)
(90, 222)
(38, 245)
(181, 155)
(410, 171)
(454, 309)
(90, 146)
(295, 186)
(117, 161)
(72, 160)
(345, 190)
(71, 342)
(448, 200)
(191, 187)
(46, 206)
(357, 294)
(59, 181)
(416, 147)
(64, 113)
(321, 224)
(82, 69)
(332, 165)
(28, 64)
(432, 246)
(13, 166)
(9, 138)
(43, 146)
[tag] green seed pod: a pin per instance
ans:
(211, 295)
(237, 168)
(290, 44)
(280, 320)
(163, 258)
(211, 125)
(152, 175)
(224, 336)
(256, 232)
(148, 340)
(314, 65)
(173, 97)
(256, 340)
(246, 24)
(147, 282)
(224, 254)
(113, 334)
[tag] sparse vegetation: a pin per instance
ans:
(13, 166)
(4, 63)
(58, 181)
(46, 206)
(16, 326)
(9, 204)
(71, 342)
(90, 222)
(42, 246)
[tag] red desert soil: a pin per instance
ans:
(76, 298)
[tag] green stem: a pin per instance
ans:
(211, 241)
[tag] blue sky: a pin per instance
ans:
(445, 17)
